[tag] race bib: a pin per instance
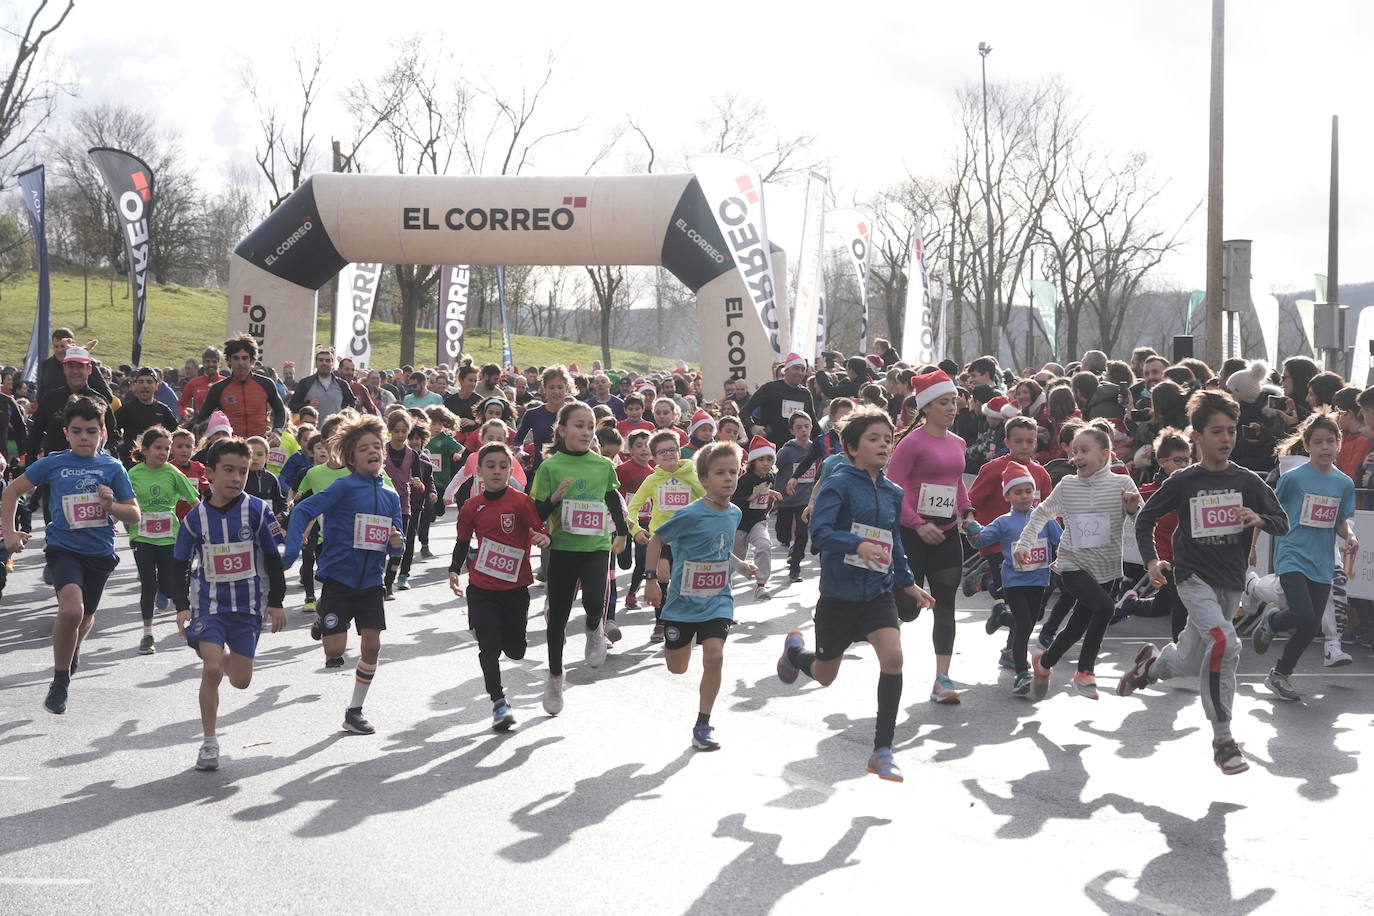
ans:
(584, 516)
(1319, 511)
(791, 407)
(230, 562)
(371, 532)
(1216, 515)
(704, 580)
(936, 501)
(435, 461)
(156, 524)
(277, 457)
(500, 561)
(1039, 557)
(760, 499)
(871, 535)
(646, 509)
(673, 496)
(811, 474)
(1092, 529)
(84, 510)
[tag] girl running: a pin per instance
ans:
(403, 467)
(754, 495)
(158, 487)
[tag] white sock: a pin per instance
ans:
(147, 628)
(212, 740)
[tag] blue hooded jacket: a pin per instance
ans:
(340, 503)
(850, 495)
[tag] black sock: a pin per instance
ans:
(703, 718)
(798, 656)
(889, 698)
(61, 677)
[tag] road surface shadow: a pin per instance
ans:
(1142, 732)
(1042, 795)
(1304, 743)
(748, 883)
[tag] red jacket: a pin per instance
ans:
(986, 493)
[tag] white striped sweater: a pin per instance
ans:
(1093, 502)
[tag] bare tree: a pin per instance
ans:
(29, 93)
(739, 126)
(287, 145)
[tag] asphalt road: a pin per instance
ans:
(1068, 804)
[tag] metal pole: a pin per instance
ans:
(1214, 324)
(989, 308)
(1333, 228)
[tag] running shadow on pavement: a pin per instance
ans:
(1195, 866)
(354, 792)
(1144, 730)
(984, 717)
(1304, 743)
(554, 818)
(753, 881)
(1042, 795)
(839, 756)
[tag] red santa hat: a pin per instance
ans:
(1000, 407)
(572, 367)
(930, 387)
(760, 447)
(1014, 474)
(793, 359)
(699, 419)
(219, 423)
(875, 361)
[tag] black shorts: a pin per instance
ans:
(840, 623)
(339, 605)
(504, 608)
(679, 633)
(89, 572)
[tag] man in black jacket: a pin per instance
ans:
(48, 433)
(50, 372)
(323, 390)
(141, 412)
(776, 401)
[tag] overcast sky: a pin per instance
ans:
(873, 81)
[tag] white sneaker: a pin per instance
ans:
(553, 695)
(612, 631)
(1335, 657)
(761, 593)
(208, 757)
(596, 648)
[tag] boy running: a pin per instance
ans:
(233, 536)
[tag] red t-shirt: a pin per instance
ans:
(193, 395)
(195, 472)
(507, 520)
(625, 427)
(1353, 449)
(986, 493)
(631, 475)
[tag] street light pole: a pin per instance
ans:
(989, 308)
(1216, 133)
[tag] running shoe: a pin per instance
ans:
(1040, 678)
(761, 593)
(553, 694)
(657, 634)
(403, 582)
(787, 672)
(1085, 682)
(501, 717)
(703, 738)
(1138, 675)
(880, 764)
(425, 552)
(942, 691)
(160, 602)
(334, 662)
(309, 606)
(146, 647)
(355, 723)
(595, 653)
(995, 621)
(794, 574)
(1264, 632)
(1125, 607)
(390, 596)
(1333, 656)
(316, 631)
(973, 579)
(56, 701)
(1281, 685)
(612, 630)
(631, 602)
(1005, 660)
(1045, 639)
(1022, 685)
(208, 756)
(1227, 755)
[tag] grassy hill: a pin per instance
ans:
(184, 320)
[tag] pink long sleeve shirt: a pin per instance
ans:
(933, 462)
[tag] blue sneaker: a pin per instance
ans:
(501, 717)
(1264, 632)
(1006, 661)
(942, 691)
(995, 621)
(881, 765)
(787, 672)
(703, 738)
(402, 582)
(160, 602)
(1045, 639)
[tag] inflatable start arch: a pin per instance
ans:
(336, 219)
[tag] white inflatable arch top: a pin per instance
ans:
(335, 219)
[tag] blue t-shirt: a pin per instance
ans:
(1316, 504)
(700, 534)
(72, 483)
(1007, 529)
(829, 464)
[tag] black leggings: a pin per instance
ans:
(939, 567)
(1306, 604)
(422, 527)
(1024, 602)
(309, 550)
(154, 563)
(792, 532)
(1062, 605)
(566, 569)
(1089, 620)
(501, 618)
(402, 562)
